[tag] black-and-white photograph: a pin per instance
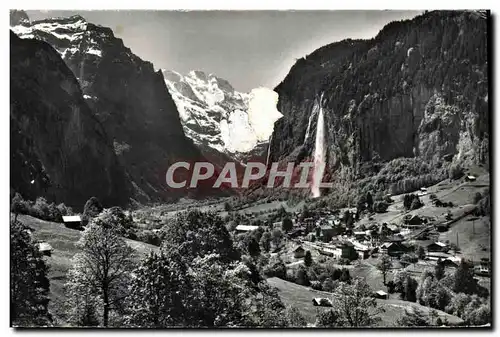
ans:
(250, 169)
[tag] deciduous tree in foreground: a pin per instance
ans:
(102, 267)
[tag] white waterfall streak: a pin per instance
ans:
(269, 149)
(319, 153)
(308, 130)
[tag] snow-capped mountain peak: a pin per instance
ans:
(215, 115)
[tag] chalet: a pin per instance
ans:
(296, 233)
(393, 228)
(328, 232)
(394, 248)
(277, 224)
(437, 247)
(394, 238)
(413, 220)
(380, 294)
(360, 235)
(72, 221)
(299, 252)
(482, 270)
(470, 178)
(344, 250)
(452, 261)
(45, 248)
(322, 302)
(363, 252)
(374, 251)
(437, 255)
(245, 228)
(442, 227)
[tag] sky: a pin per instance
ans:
(248, 48)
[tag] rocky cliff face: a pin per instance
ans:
(58, 149)
(419, 88)
(127, 96)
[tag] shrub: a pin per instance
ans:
(316, 285)
(91, 209)
(329, 285)
(416, 204)
(456, 172)
(380, 206)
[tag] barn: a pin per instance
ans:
(72, 221)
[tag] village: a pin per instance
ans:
(414, 240)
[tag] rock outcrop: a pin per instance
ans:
(58, 149)
(418, 89)
(128, 97)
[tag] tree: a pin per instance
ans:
(380, 206)
(384, 265)
(265, 241)
(277, 235)
(287, 224)
(409, 289)
(477, 198)
(457, 304)
(103, 265)
(421, 252)
(197, 233)
(329, 318)
(413, 317)
(116, 218)
(227, 206)
(345, 276)
(308, 259)
(328, 285)
(302, 277)
(217, 299)
(456, 172)
(276, 268)
(253, 248)
(29, 284)
(416, 204)
(91, 209)
(161, 292)
(17, 206)
(439, 269)
(369, 201)
(464, 278)
(294, 318)
(355, 304)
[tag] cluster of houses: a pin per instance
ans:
(336, 236)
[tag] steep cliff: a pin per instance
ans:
(418, 89)
(58, 149)
(128, 97)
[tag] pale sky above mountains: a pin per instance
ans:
(248, 48)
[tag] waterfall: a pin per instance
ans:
(319, 153)
(308, 130)
(269, 150)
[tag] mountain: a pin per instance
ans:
(419, 89)
(58, 149)
(128, 97)
(215, 115)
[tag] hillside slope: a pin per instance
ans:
(63, 240)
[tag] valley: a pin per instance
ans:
(143, 197)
